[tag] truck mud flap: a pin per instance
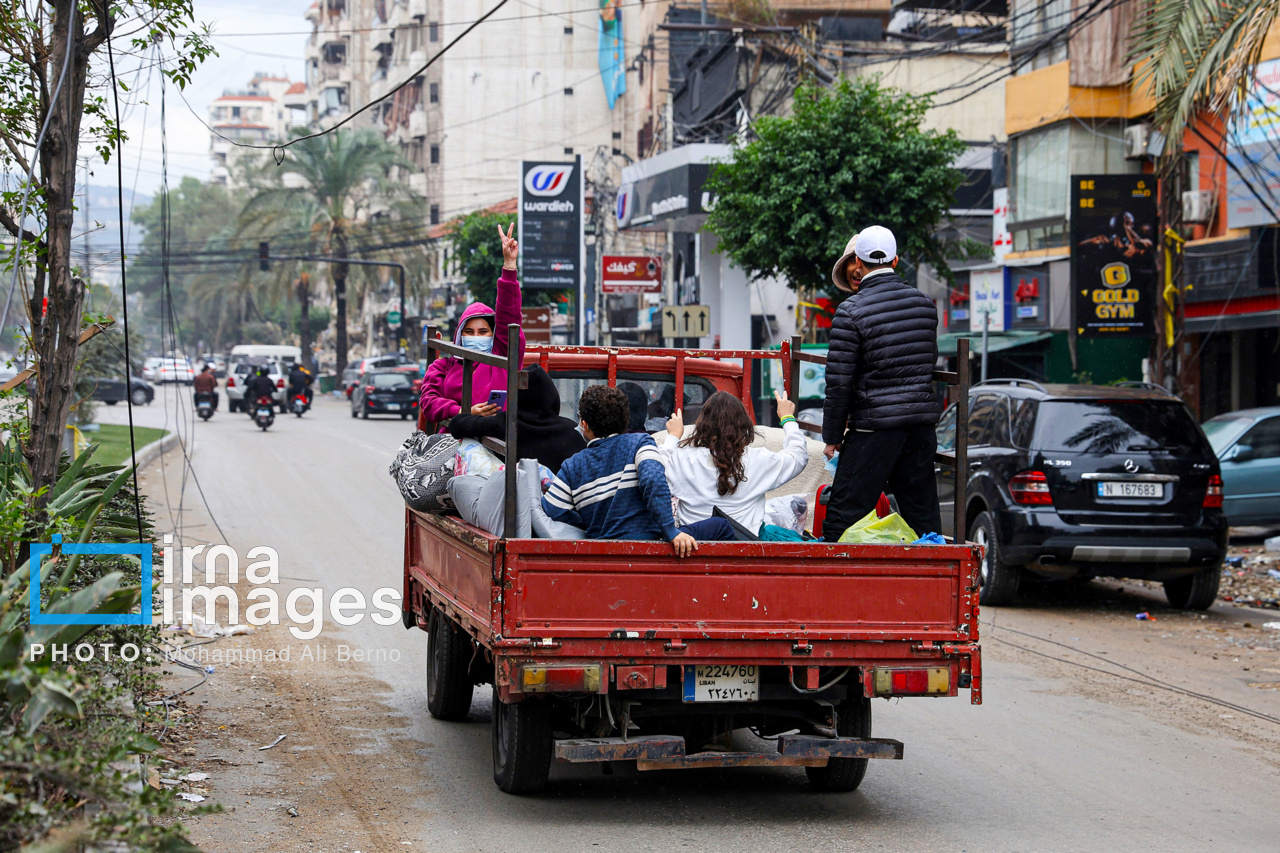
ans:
(660, 752)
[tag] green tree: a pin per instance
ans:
(48, 103)
(1198, 55)
(850, 156)
(476, 252)
(345, 174)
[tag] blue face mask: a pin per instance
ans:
(478, 343)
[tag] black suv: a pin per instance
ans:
(1076, 481)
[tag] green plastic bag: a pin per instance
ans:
(890, 530)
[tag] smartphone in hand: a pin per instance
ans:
(499, 399)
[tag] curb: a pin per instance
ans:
(152, 451)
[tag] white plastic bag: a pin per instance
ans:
(787, 511)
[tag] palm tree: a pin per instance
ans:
(339, 174)
(1198, 55)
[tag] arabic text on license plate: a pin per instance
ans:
(393, 407)
(1123, 489)
(720, 682)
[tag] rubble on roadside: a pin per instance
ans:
(1251, 576)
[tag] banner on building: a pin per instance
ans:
(986, 300)
(612, 51)
(1113, 255)
(631, 274)
(551, 246)
(1253, 148)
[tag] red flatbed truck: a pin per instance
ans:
(603, 651)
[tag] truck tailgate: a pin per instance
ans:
(739, 591)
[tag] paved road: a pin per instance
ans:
(1058, 758)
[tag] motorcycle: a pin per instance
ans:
(300, 403)
(264, 412)
(204, 405)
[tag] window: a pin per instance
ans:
(235, 112)
(982, 413)
(1034, 20)
(433, 93)
(999, 435)
(947, 431)
(1191, 175)
(1024, 421)
(568, 90)
(652, 396)
(433, 31)
(1098, 426)
(389, 380)
(568, 31)
(568, 152)
(435, 214)
(1041, 174)
(435, 154)
(1263, 440)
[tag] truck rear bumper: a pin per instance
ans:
(665, 752)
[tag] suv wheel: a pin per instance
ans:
(998, 582)
(1194, 592)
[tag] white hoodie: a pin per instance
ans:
(692, 477)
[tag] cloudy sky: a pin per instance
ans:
(250, 36)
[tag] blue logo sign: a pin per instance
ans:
(40, 551)
(547, 180)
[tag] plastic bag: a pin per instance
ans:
(475, 460)
(890, 530)
(787, 511)
(930, 539)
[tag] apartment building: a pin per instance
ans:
(258, 114)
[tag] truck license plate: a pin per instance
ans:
(720, 682)
(1123, 489)
(393, 407)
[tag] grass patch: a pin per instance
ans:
(113, 442)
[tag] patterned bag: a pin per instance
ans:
(422, 469)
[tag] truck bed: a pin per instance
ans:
(763, 601)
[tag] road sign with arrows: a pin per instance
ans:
(686, 321)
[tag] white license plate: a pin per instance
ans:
(721, 682)
(393, 407)
(1121, 489)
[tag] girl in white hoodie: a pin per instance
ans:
(717, 467)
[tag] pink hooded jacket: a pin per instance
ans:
(442, 386)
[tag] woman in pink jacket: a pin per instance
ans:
(442, 386)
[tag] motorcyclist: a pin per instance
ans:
(300, 380)
(259, 386)
(205, 383)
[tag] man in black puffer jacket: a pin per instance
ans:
(880, 410)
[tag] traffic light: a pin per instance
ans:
(264, 257)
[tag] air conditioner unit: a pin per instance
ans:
(1197, 206)
(1136, 139)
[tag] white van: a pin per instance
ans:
(273, 352)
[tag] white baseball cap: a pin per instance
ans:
(876, 245)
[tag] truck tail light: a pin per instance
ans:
(561, 678)
(1030, 487)
(906, 682)
(1213, 494)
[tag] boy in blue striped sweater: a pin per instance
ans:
(617, 487)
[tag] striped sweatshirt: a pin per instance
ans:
(615, 489)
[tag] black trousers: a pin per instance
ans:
(895, 461)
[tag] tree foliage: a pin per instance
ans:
(1197, 54)
(850, 156)
(476, 253)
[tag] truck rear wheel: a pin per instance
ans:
(448, 662)
(1194, 592)
(521, 745)
(845, 774)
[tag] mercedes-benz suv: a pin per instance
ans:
(1071, 481)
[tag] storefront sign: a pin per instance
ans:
(1113, 262)
(986, 300)
(1251, 149)
(551, 247)
(631, 274)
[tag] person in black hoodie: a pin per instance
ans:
(541, 433)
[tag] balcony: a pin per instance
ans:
(417, 123)
(417, 8)
(418, 184)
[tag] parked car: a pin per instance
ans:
(384, 392)
(238, 377)
(1248, 445)
(175, 370)
(351, 375)
(1079, 481)
(150, 368)
(112, 391)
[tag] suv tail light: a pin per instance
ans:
(1213, 494)
(897, 682)
(280, 383)
(231, 382)
(1030, 487)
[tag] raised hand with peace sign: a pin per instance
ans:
(510, 247)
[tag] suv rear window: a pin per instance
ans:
(1098, 426)
(390, 380)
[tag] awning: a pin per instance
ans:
(996, 341)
